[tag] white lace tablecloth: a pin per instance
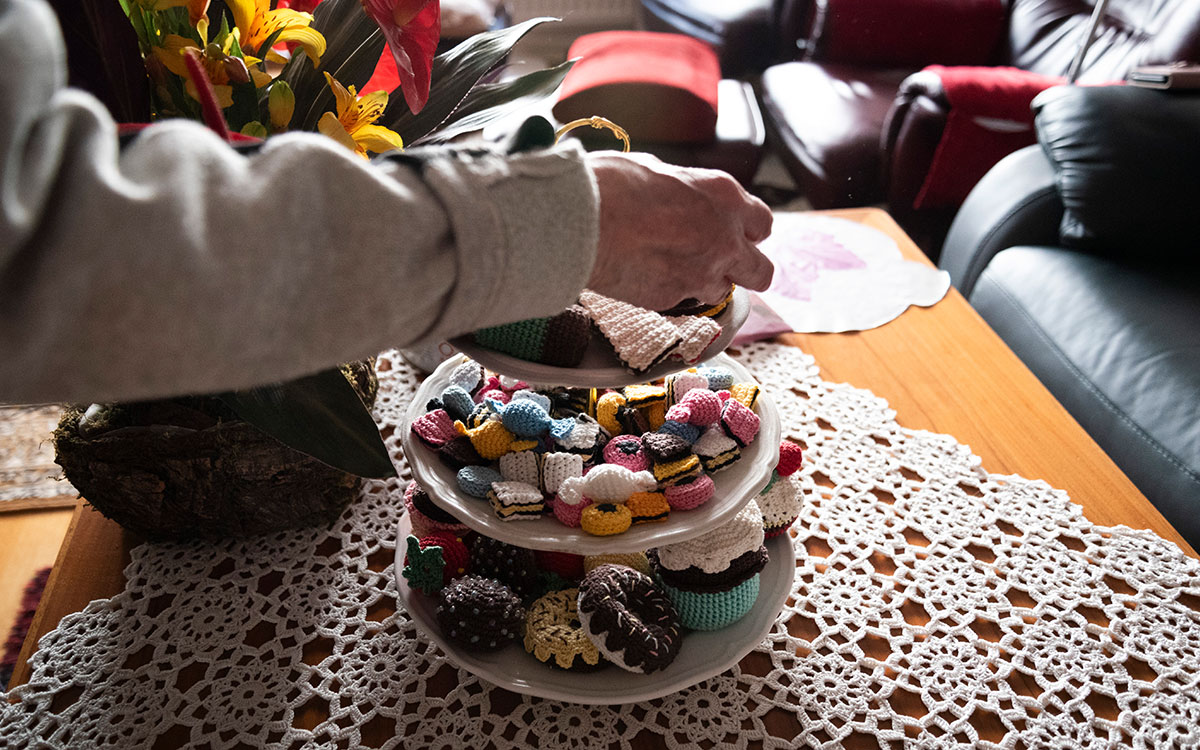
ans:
(935, 606)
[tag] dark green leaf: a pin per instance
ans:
(488, 102)
(103, 56)
(455, 72)
(534, 133)
(320, 415)
(353, 47)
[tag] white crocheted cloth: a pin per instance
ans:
(935, 606)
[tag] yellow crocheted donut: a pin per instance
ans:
(552, 629)
(635, 560)
(605, 519)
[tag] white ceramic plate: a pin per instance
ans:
(704, 653)
(600, 367)
(734, 485)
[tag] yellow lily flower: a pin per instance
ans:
(354, 124)
(171, 56)
(256, 22)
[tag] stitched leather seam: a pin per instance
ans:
(1104, 399)
(975, 267)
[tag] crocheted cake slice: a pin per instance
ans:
(641, 338)
(695, 334)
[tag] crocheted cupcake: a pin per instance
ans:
(480, 614)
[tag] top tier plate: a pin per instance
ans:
(735, 485)
(600, 367)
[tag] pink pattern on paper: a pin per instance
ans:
(809, 253)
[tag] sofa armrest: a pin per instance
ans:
(1016, 203)
(896, 33)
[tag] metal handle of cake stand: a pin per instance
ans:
(596, 122)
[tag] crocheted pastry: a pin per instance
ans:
(480, 614)
(680, 383)
(553, 629)
(713, 611)
(639, 337)
(680, 429)
(513, 566)
(565, 564)
(692, 306)
(629, 618)
(713, 551)
(716, 449)
(491, 439)
(434, 428)
(791, 456)
(477, 481)
(516, 501)
(570, 514)
(559, 467)
(697, 581)
(695, 334)
(434, 560)
(781, 503)
(560, 341)
(746, 393)
(522, 466)
(606, 411)
(626, 450)
(719, 378)
(632, 421)
(635, 560)
(678, 470)
(467, 375)
(664, 446)
(739, 422)
(425, 515)
(644, 395)
(690, 495)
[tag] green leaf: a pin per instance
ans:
(455, 73)
(488, 102)
(536, 132)
(320, 415)
(353, 47)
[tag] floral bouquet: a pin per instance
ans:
(250, 69)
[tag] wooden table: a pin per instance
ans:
(941, 368)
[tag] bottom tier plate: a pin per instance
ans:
(703, 655)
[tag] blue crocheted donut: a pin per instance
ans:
(476, 481)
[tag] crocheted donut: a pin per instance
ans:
(552, 628)
(629, 618)
(480, 614)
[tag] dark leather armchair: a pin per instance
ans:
(856, 126)
(1079, 252)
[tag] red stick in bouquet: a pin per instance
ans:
(214, 118)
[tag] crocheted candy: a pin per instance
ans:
(440, 551)
(719, 378)
(516, 501)
(739, 422)
(606, 411)
(607, 483)
(525, 394)
(525, 418)
(632, 421)
(781, 503)
(425, 515)
(714, 550)
(791, 456)
(689, 495)
(698, 407)
(647, 507)
(641, 396)
(467, 375)
(639, 337)
(605, 519)
(480, 614)
(521, 466)
(684, 430)
(713, 611)
(483, 412)
(664, 446)
(746, 393)
(457, 402)
(552, 630)
(678, 471)
(434, 428)
(680, 383)
(491, 439)
(695, 335)
(513, 566)
(583, 439)
(570, 514)
(627, 451)
(716, 449)
(477, 481)
(559, 467)
(656, 414)
(459, 452)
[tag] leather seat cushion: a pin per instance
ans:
(829, 121)
(1117, 346)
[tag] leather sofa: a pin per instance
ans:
(857, 122)
(1078, 252)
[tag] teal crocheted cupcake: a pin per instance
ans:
(713, 611)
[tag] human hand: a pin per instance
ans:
(670, 233)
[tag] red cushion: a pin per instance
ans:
(661, 88)
(989, 118)
(910, 32)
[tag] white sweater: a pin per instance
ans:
(177, 265)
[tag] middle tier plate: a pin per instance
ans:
(734, 486)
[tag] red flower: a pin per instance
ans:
(412, 28)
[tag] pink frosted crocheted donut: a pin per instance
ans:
(627, 451)
(691, 494)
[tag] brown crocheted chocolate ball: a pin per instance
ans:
(480, 614)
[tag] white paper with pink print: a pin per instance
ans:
(836, 275)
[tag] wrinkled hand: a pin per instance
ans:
(670, 233)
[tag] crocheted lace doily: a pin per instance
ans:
(935, 606)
